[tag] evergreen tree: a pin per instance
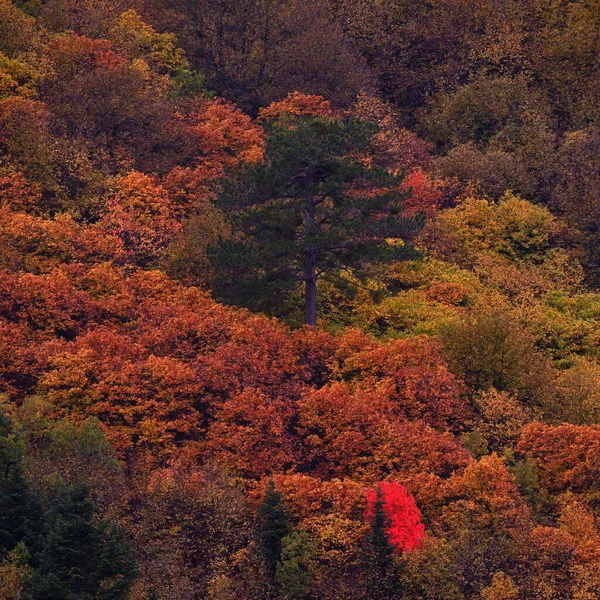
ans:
(381, 566)
(20, 514)
(81, 559)
(273, 527)
(295, 571)
(312, 208)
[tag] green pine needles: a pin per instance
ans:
(314, 207)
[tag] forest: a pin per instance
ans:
(299, 299)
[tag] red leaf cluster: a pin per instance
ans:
(405, 529)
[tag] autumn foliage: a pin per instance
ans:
(405, 529)
(449, 395)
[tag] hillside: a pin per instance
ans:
(299, 300)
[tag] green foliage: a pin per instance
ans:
(513, 228)
(564, 325)
(138, 40)
(406, 313)
(58, 551)
(526, 477)
(310, 208)
(476, 444)
(478, 551)
(506, 93)
(429, 573)
(15, 572)
(188, 81)
(17, 78)
(297, 566)
(382, 576)
(487, 350)
(20, 514)
(272, 527)
(482, 112)
(81, 558)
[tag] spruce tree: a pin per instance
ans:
(312, 209)
(380, 556)
(81, 559)
(20, 514)
(296, 568)
(273, 526)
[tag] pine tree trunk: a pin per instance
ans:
(310, 266)
(310, 283)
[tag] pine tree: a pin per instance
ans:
(295, 571)
(81, 559)
(313, 208)
(380, 555)
(273, 527)
(20, 514)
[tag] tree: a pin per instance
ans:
(17, 30)
(14, 573)
(142, 217)
(255, 51)
(81, 558)
(380, 555)
(566, 455)
(273, 526)
(501, 420)
(19, 513)
(114, 109)
(360, 435)
(313, 208)
(25, 142)
(403, 528)
(502, 588)
(486, 350)
(295, 571)
(251, 434)
(574, 192)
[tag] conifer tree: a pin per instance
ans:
(20, 515)
(81, 559)
(314, 207)
(273, 527)
(380, 555)
(295, 571)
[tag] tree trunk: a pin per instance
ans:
(310, 266)
(310, 287)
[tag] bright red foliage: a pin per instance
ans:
(426, 194)
(406, 532)
(112, 157)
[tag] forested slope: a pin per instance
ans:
(298, 300)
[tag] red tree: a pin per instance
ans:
(405, 529)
